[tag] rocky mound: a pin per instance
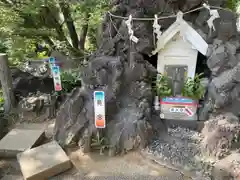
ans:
(221, 135)
(128, 105)
(120, 68)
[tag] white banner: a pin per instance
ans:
(99, 109)
(56, 78)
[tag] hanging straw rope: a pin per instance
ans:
(166, 17)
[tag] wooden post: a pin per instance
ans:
(6, 82)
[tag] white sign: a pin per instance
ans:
(99, 109)
(185, 110)
(176, 110)
(56, 78)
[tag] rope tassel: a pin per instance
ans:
(130, 31)
(157, 28)
(213, 15)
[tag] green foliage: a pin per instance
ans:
(1, 100)
(19, 49)
(233, 4)
(99, 143)
(42, 55)
(161, 86)
(70, 79)
(193, 87)
(3, 47)
(92, 12)
(25, 22)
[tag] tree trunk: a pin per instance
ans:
(6, 82)
(70, 24)
(49, 42)
(84, 34)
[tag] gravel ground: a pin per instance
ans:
(180, 149)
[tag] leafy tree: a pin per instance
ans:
(67, 26)
(233, 4)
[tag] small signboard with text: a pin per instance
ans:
(99, 109)
(55, 70)
(56, 78)
(178, 108)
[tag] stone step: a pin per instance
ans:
(21, 139)
(43, 162)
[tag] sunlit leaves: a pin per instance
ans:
(26, 22)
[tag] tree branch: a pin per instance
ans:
(49, 41)
(69, 22)
(84, 32)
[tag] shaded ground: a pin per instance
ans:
(181, 149)
(94, 165)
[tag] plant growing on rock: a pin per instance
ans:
(161, 86)
(193, 87)
(1, 101)
(99, 143)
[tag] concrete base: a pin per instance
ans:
(43, 162)
(19, 140)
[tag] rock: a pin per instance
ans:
(63, 61)
(209, 50)
(25, 83)
(226, 25)
(217, 42)
(205, 110)
(43, 162)
(227, 168)
(218, 99)
(232, 46)
(219, 134)
(202, 19)
(202, 34)
(3, 125)
(218, 3)
(190, 4)
(232, 61)
(128, 105)
(225, 81)
(217, 59)
(119, 69)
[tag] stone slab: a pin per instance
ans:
(19, 140)
(43, 162)
(12, 177)
(228, 167)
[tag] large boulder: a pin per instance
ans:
(25, 83)
(227, 168)
(128, 99)
(220, 135)
(118, 67)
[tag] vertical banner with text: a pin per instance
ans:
(99, 109)
(56, 78)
